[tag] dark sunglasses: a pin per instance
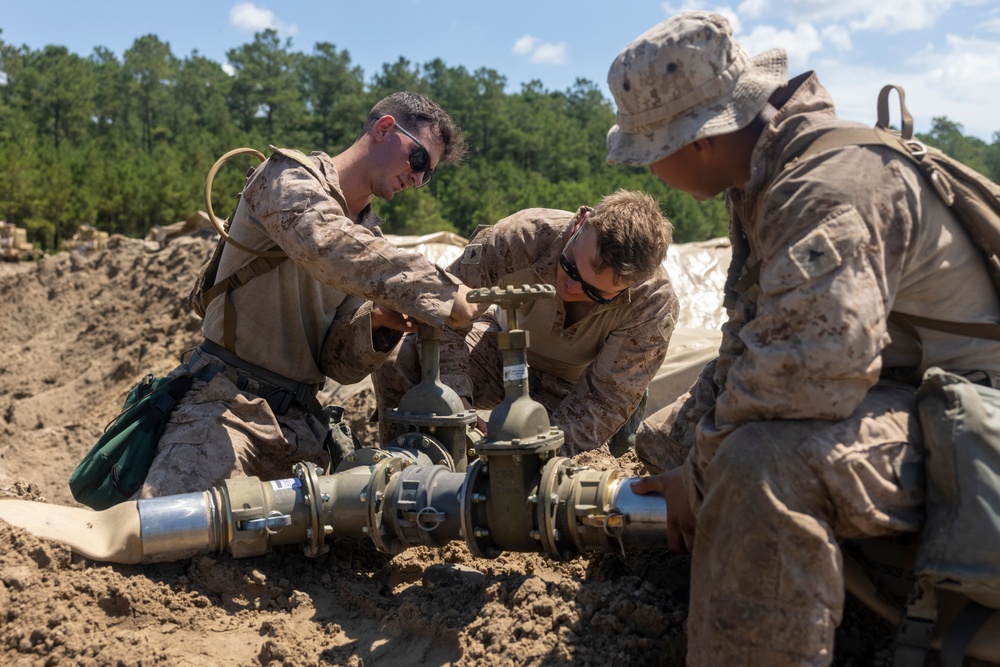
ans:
(420, 159)
(570, 268)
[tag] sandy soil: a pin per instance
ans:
(78, 331)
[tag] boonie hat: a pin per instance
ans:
(686, 79)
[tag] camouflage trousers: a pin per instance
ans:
(217, 432)
(767, 581)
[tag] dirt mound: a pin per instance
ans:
(78, 331)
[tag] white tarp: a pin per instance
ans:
(442, 248)
(698, 274)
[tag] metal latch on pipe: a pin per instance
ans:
(271, 523)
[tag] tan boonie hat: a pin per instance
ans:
(685, 79)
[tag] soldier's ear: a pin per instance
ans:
(702, 145)
(382, 127)
(704, 151)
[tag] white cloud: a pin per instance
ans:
(968, 66)
(525, 45)
(890, 16)
(887, 16)
(838, 36)
(855, 90)
(228, 69)
(550, 54)
(799, 43)
(899, 15)
(992, 24)
(541, 52)
(250, 17)
(753, 8)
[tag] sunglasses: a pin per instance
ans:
(419, 159)
(570, 268)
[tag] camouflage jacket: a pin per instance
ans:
(840, 240)
(611, 354)
(308, 318)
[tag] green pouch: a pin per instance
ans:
(117, 465)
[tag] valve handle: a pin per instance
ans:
(510, 296)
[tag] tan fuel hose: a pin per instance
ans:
(219, 226)
(113, 535)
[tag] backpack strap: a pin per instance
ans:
(292, 390)
(238, 278)
(906, 127)
(264, 260)
(985, 330)
(902, 143)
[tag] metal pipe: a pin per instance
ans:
(176, 527)
(645, 523)
(399, 502)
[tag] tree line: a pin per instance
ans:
(125, 144)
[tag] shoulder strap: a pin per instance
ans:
(310, 166)
(975, 203)
(265, 260)
(987, 330)
(222, 229)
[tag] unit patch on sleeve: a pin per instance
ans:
(472, 254)
(815, 255)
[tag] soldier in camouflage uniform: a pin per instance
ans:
(331, 310)
(595, 348)
(803, 430)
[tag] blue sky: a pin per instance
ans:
(945, 53)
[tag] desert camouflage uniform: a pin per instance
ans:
(307, 319)
(589, 376)
(799, 431)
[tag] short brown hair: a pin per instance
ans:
(413, 110)
(632, 235)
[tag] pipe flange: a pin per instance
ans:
(316, 545)
(423, 420)
(556, 545)
(474, 522)
(543, 445)
(376, 500)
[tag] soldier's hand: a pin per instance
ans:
(383, 317)
(680, 518)
(462, 312)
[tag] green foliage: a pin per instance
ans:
(947, 136)
(126, 144)
(992, 158)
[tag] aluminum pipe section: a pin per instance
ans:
(180, 526)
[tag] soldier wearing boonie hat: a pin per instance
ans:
(795, 433)
(686, 79)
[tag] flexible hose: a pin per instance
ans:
(219, 227)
